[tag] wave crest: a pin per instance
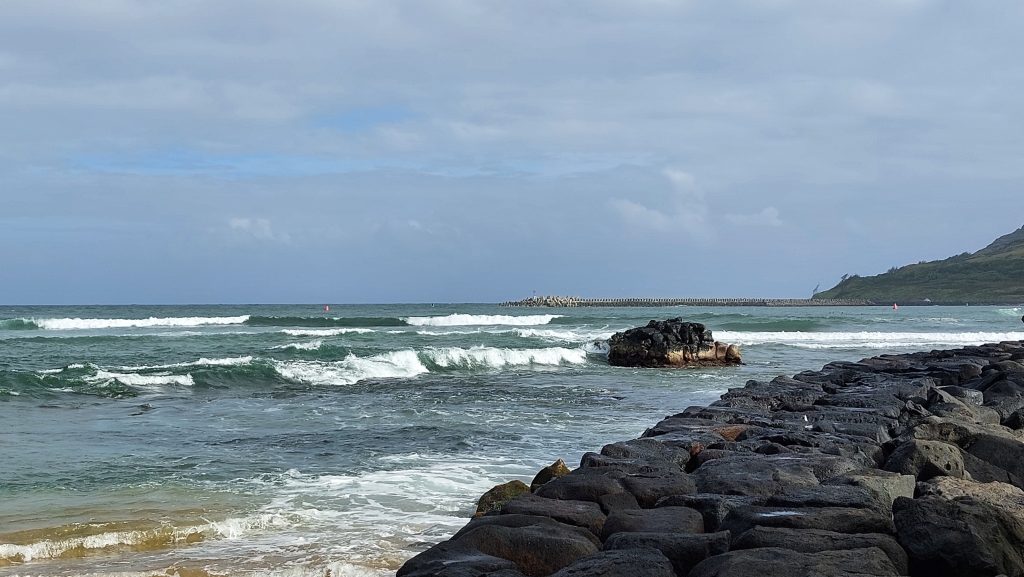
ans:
(456, 320)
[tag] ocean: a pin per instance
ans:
(289, 441)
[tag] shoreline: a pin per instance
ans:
(857, 468)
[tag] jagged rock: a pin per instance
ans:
(648, 450)
(648, 489)
(454, 560)
(683, 550)
(870, 562)
(817, 541)
(969, 535)
(660, 520)
(764, 475)
(712, 507)
(579, 513)
(885, 485)
(494, 499)
(584, 484)
(669, 343)
(552, 471)
(839, 519)
(537, 545)
(623, 563)
(926, 459)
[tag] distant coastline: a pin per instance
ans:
(573, 301)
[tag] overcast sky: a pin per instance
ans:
(451, 151)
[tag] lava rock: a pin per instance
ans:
(669, 343)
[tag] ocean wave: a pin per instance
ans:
(56, 543)
(203, 362)
(456, 320)
(310, 346)
(265, 321)
(410, 363)
(66, 324)
(866, 339)
(352, 369)
(138, 380)
(569, 336)
(495, 358)
(324, 332)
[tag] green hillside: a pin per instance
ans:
(993, 275)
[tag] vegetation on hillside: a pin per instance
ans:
(993, 275)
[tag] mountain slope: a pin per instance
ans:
(993, 275)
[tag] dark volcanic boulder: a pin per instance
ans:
(537, 545)
(769, 561)
(962, 528)
(683, 550)
(621, 563)
(670, 343)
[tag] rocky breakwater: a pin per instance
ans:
(895, 465)
(670, 343)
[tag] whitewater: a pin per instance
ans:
(277, 440)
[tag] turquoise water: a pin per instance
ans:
(285, 440)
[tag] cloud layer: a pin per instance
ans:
(489, 149)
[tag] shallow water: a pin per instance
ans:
(282, 440)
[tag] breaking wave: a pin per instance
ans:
(324, 332)
(462, 320)
(67, 324)
(57, 543)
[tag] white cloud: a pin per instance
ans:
(256, 229)
(768, 216)
(683, 210)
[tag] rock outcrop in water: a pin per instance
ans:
(894, 465)
(670, 343)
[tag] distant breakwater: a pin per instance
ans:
(894, 465)
(571, 301)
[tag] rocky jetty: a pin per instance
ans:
(670, 343)
(894, 465)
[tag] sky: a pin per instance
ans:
(238, 151)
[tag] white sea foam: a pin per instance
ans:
(869, 340)
(168, 536)
(352, 369)
(203, 362)
(78, 323)
(456, 320)
(496, 358)
(310, 346)
(569, 336)
(324, 332)
(137, 380)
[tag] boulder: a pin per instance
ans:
(621, 563)
(764, 475)
(839, 519)
(453, 560)
(961, 536)
(926, 459)
(579, 513)
(670, 343)
(713, 508)
(683, 550)
(818, 540)
(494, 499)
(552, 471)
(763, 562)
(885, 485)
(537, 545)
(584, 484)
(660, 520)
